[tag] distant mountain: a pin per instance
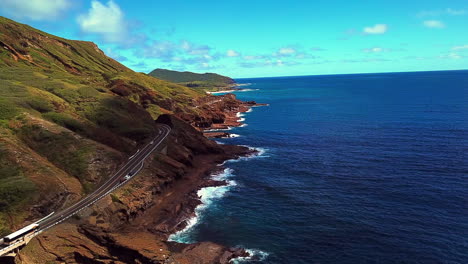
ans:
(205, 81)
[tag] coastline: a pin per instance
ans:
(231, 89)
(137, 220)
(216, 182)
(176, 207)
(234, 118)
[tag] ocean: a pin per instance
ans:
(365, 168)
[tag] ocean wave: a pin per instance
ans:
(234, 135)
(207, 196)
(210, 195)
(243, 125)
(243, 84)
(254, 254)
(218, 129)
(260, 153)
(246, 90)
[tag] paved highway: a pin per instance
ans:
(132, 167)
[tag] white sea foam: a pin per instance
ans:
(260, 153)
(221, 92)
(250, 110)
(243, 125)
(218, 129)
(247, 90)
(234, 135)
(254, 254)
(243, 84)
(207, 196)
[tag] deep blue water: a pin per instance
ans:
(367, 168)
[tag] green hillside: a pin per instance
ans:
(68, 113)
(205, 81)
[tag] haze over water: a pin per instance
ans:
(365, 168)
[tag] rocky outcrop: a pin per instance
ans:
(133, 224)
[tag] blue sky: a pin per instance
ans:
(259, 38)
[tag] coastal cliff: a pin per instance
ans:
(133, 223)
(70, 116)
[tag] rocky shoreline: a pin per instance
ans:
(232, 119)
(133, 224)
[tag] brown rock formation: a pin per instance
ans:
(132, 225)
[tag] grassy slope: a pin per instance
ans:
(61, 102)
(206, 81)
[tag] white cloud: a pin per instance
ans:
(286, 51)
(452, 55)
(194, 49)
(105, 20)
(447, 11)
(375, 50)
(163, 50)
(232, 53)
(317, 49)
(186, 45)
(455, 12)
(35, 9)
(434, 24)
(115, 55)
(463, 47)
(376, 29)
(250, 57)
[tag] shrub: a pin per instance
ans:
(65, 120)
(40, 104)
(8, 110)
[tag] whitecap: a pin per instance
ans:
(218, 129)
(246, 90)
(207, 196)
(254, 254)
(243, 84)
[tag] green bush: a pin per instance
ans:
(65, 120)
(8, 110)
(15, 188)
(61, 149)
(40, 104)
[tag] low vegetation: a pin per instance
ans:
(60, 100)
(204, 82)
(15, 189)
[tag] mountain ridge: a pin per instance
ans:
(202, 81)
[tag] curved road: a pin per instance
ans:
(132, 167)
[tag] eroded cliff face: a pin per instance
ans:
(132, 224)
